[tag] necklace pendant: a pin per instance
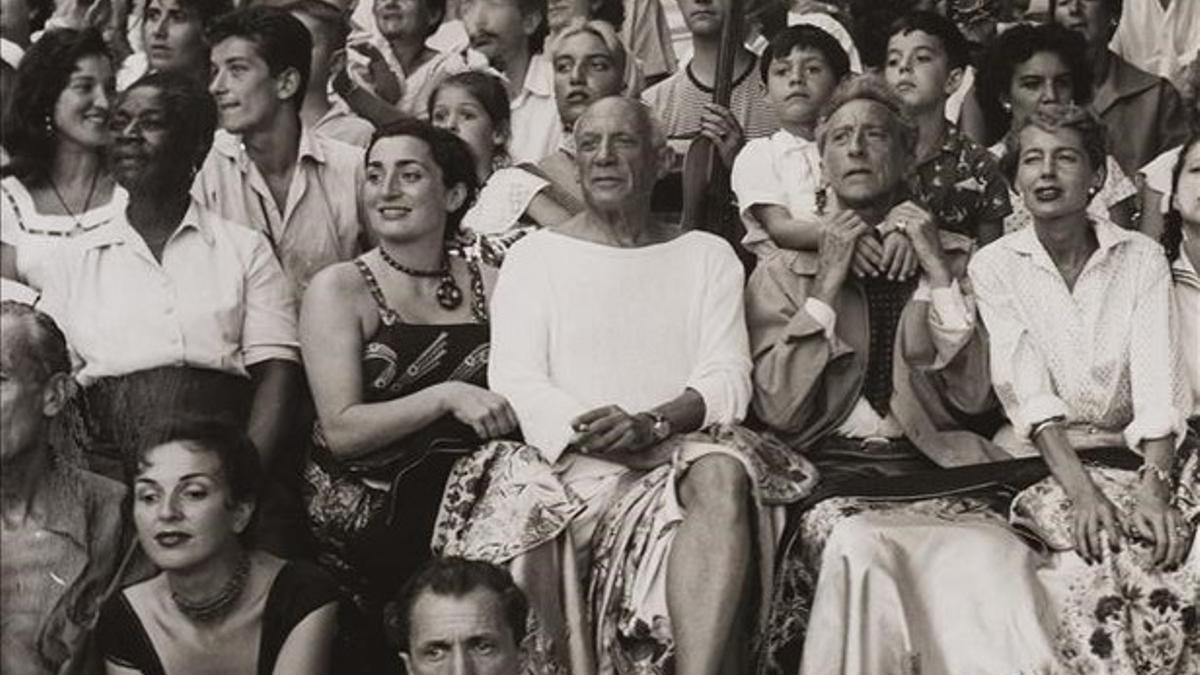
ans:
(449, 295)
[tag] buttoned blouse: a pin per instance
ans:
(1101, 354)
(218, 300)
(318, 225)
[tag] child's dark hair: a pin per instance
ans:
(805, 37)
(1172, 235)
(958, 50)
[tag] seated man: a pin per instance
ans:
(871, 378)
(621, 345)
(62, 543)
(467, 612)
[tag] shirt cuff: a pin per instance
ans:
(1037, 410)
(263, 353)
(1146, 427)
(822, 314)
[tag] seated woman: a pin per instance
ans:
(872, 379)
(169, 307)
(1181, 240)
(194, 496)
(620, 342)
(1033, 68)
(1086, 362)
(396, 347)
(56, 130)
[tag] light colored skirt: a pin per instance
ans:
(595, 569)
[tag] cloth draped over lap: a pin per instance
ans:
(506, 504)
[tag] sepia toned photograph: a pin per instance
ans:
(599, 337)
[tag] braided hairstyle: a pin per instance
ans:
(1172, 235)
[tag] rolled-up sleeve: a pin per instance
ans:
(518, 367)
(1160, 394)
(269, 323)
(951, 319)
(1019, 373)
(722, 372)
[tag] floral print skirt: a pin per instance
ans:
(602, 610)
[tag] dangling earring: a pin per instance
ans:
(1007, 107)
(49, 126)
(822, 199)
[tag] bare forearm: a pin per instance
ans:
(360, 428)
(1064, 463)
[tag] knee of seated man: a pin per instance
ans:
(716, 482)
(862, 537)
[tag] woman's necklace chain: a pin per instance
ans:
(449, 295)
(87, 203)
(210, 609)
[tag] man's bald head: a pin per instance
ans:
(638, 113)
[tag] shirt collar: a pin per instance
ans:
(1124, 80)
(1108, 237)
(789, 141)
(119, 231)
(1183, 272)
(539, 77)
(230, 145)
(952, 143)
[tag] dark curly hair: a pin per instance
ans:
(1172, 235)
(451, 153)
(1016, 46)
(41, 79)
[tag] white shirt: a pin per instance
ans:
(950, 326)
(36, 236)
(1102, 354)
(1157, 175)
(319, 223)
(218, 300)
(503, 200)
(1159, 41)
(536, 128)
(577, 325)
(782, 169)
(1187, 313)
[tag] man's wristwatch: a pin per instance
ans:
(660, 426)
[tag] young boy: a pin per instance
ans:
(776, 178)
(954, 177)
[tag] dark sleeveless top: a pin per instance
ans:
(404, 358)
(299, 589)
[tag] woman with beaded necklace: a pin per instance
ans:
(57, 185)
(194, 497)
(396, 347)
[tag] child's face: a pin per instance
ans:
(917, 69)
(798, 84)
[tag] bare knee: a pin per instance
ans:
(718, 485)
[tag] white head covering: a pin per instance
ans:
(11, 53)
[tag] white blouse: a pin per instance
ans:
(1103, 354)
(782, 169)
